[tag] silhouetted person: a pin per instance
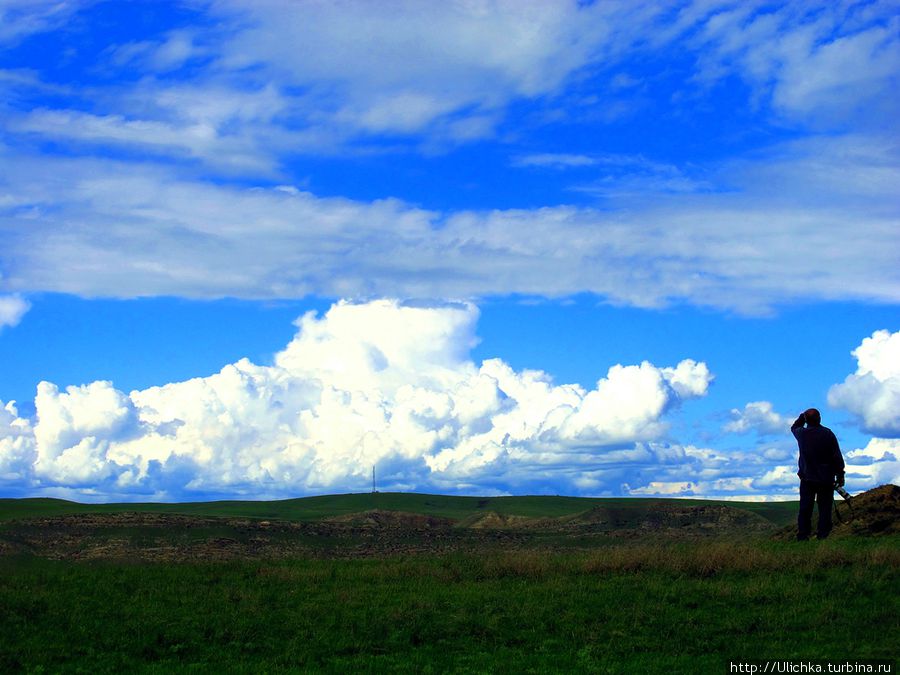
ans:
(821, 469)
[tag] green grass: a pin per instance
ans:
(314, 508)
(676, 608)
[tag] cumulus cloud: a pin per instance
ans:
(17, 452)
(384, 384)
(759, 417)
(872, 393)
(12, 309)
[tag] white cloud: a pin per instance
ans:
(451, 69)
(424, 61)
(665, 489)
(12, 309)
(708, 473)
(158, 56)
(96, 227)
(75, 428)
(391, 384)
(872, 393)
(783, 476)
(382, 383)
(337, 73)
(461, 58)
(555, 160)
(21, 18)
(876, 464)
(197, 133)
(757, 416)
(773, 485)
(812, 63)
(272, 81)
(16, 446)
(621, 177)
(332, 75)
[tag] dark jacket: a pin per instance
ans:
(820, 455)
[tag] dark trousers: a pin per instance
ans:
(810, 492)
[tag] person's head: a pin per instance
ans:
(812, 417)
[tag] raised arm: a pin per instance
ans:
(796, 428)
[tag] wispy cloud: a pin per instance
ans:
(22, 18)
(185, 139)
(554, 160)
(819, 64)
(12, 309)
(448, 73)
(96, 227)
(173, 51)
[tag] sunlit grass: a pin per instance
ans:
(684, 606)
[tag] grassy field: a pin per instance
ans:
(655, 609)
(558, 602)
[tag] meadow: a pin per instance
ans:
(649, 603)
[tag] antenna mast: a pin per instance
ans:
(373, 479)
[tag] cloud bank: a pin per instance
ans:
(384, 384)
(102, 227)
(392, 385)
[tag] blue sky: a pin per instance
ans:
(579, 248)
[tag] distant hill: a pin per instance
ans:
(469, 509)
(398, 524)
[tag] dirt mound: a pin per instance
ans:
(377, 518)
(874, 512)
(871, 513)
(604, 517)
(170, 537)
(152, 536)
(491, 520)
(703, 518)
(120, 519)
(706, 516)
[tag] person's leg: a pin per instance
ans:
(825, 499)
(804, 517)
